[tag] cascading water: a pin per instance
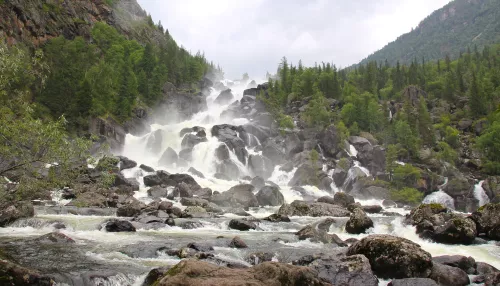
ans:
(440, 197)
(129, 256)
(480, 194)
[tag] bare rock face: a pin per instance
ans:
(191, 272)
(394, 257)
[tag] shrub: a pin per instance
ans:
(407, 195)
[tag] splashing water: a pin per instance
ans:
(480, 194)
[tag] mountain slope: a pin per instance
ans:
(447, 31)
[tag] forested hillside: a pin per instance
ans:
(457, 27)
(439, 116)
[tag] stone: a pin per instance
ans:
(467, 264)
(456, 231)
(16, 211)
(55, 237)
(259, 257)
(258, 182)
(241, 225)
(393, 257)
(237, 242)
(343, 199)
(126, 163)
(225, 97)
(157, 192)
(196, 173)
(373, 209)
(413, 282)
(358, 222)
(318, 232)
(146, 168)
(351, 270)
(277, 218)
(241, 195)
(301, 208)
(487, 219)
(169, 158)
(448, 275)
(119, 226)
(192, 272)
(222, 152)
(270, 196)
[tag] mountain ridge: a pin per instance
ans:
(445, 32)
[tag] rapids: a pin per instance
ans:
(102, 258)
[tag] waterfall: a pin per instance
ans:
(440, 197)
(480, 194)
(352, 151)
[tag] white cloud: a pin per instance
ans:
(252, 36)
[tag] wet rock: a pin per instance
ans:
(287, 167)
(270, 196)
(413, 282)
(301, 208)
(55, 237)
(228, 134)
(456, 231)
(329, 141)
(155, 179)
(339, 175)
(241, 225)
(373, 209)
(199, 202)
(318, 232)
(237, 242)
(14, 274)
(221, 177)
(224, 97)
(192, 272)
(492, 279)
(358, 222)
(119, 226)
(190, 225)
(448, 275)
(146, 168)
(389, 204)
(229, 169)
(222, 152)
(68, 194)
(154, 275)
(259, 257)
(393, 257)
(204, 193)
(351, 270)
(258, 182)
(277, 218)
(325, 199)
(157, 192)
(343, 199)
(372, 192)
(239, 195)
(467, 264)
(126, 163)
(425, 212)
(487, 220)
(196, 172)
(307, 174)
(274, 152)
(130, 208)
(351, 240)
(169, 158)
(485, 268)
(16, 211)
(191, 140)
(261, 166)
(200, 247)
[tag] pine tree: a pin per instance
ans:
(477, 100)
(425, 127)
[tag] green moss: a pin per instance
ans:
(409, 196)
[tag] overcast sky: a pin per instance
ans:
(253, 35)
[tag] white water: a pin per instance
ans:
(480, 194)
(440, 197)
(83, 229)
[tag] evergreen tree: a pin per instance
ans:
(476, 98)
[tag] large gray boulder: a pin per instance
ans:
(229, 169)
(448, 275)
(169, 158)
(330, 141)
(487, 220)
(229, 134)
(225, 97)
(393, 257)
(413, 282)
(459, 230)
(318, 232)
(237, 196)
(351, 270)
(261, 166)
(270, 196)
(467, 264)
(358, 222)
(315, 209)
(191, 140)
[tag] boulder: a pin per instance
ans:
(229, 169)
(222, 152)
(225, 97)
(130, 208)
(277, 218)
(192, 272)
(342, 199)
(464, 124)
(126, 163)
(372, 209)
(237, 242)
(259, 257)
(270, 196)
(318, 232)
(196, 172)
(351, 270)
(456, 231)
(241, 195)
(15, 211)
(158, 192)
(55, 237)
(413, 282)
(358, 222)
(177, 106)
(119, 226)
(314, 209)
(228, 134)
(154, 275)
(487, 220)
(191, 140)
(241, 225)
(198, 202)
(258, 182)
(274, 152)
(169, 158)
(261, 166)
(467, 264)
(393, 257)
(329, 141)
(307, 174)
(146, 168)
(448, 275)
(14, 274)
(339, 175)
(372, 192)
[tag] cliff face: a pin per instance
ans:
(33, 22)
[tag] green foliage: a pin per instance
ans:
(489, 145)
(317, 113)
(363, 110)
(343, 163)
(446, 153)
(406, 175)
(406, 195)
(391, 156)
(451, 136)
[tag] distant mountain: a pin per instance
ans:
(459, 25)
